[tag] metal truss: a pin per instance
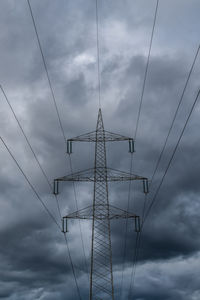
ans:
(89, 175)
(107, 137)
(92, 137)
(101, 212)
(114, 213)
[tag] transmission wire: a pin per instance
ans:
(45, 207)
(40, 166)
(167, 137)
(126, 228)
(160, 156)
(136, 129)
(162, 180)
(172, 156)
(51, 89)
(77, 208)
(136, 252)
(175, 115)
(47, 73)
(37, 195)
(30, 184)
(174, 118)
(43, 172)
(72, 266)
(31, 148)
(98, 59)
(146, 70)
(136, 248)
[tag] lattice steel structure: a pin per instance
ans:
(101, 212)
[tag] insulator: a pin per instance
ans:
(146, 186)
(137, 224)
(131, 146)
(55, 187)
(64, 225)
(69, 147)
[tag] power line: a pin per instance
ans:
(53, 95)
(45, 207)
(175, 115)
(145, 201)
(137, 242)
(136, 248)
(98, 60)
(126, 229)
(46, 70)
(77, 208)
(25, 136)
(146, 70)
(172, 156)
(72, 266)
(30, 146)
(30, 184)
(157, 191)
(136, 252)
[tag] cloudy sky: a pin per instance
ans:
(34, 262)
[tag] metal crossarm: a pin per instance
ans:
(97, 175)
(107, 137)
(114, 213)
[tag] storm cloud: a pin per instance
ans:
(34, 262)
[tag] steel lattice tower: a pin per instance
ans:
(101, 277)
(101, 212)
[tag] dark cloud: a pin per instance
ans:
(33, 254)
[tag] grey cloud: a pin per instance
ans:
(32, 251)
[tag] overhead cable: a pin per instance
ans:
(136, 248)
(77, 208)
(157, 191)
(45, 207)
(47, 73)
(98, 59)
(171, 158)
(31, 148)
(175, 115)
(30, 184)
(146, 70)
(135, 136)
(72, 267)
(25, 136)
(145, 201)
(50, 85)
(126, 229)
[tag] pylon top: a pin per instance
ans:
(100, 125)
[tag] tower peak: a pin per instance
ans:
(100, 125)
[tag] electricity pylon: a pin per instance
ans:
(101, 212)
